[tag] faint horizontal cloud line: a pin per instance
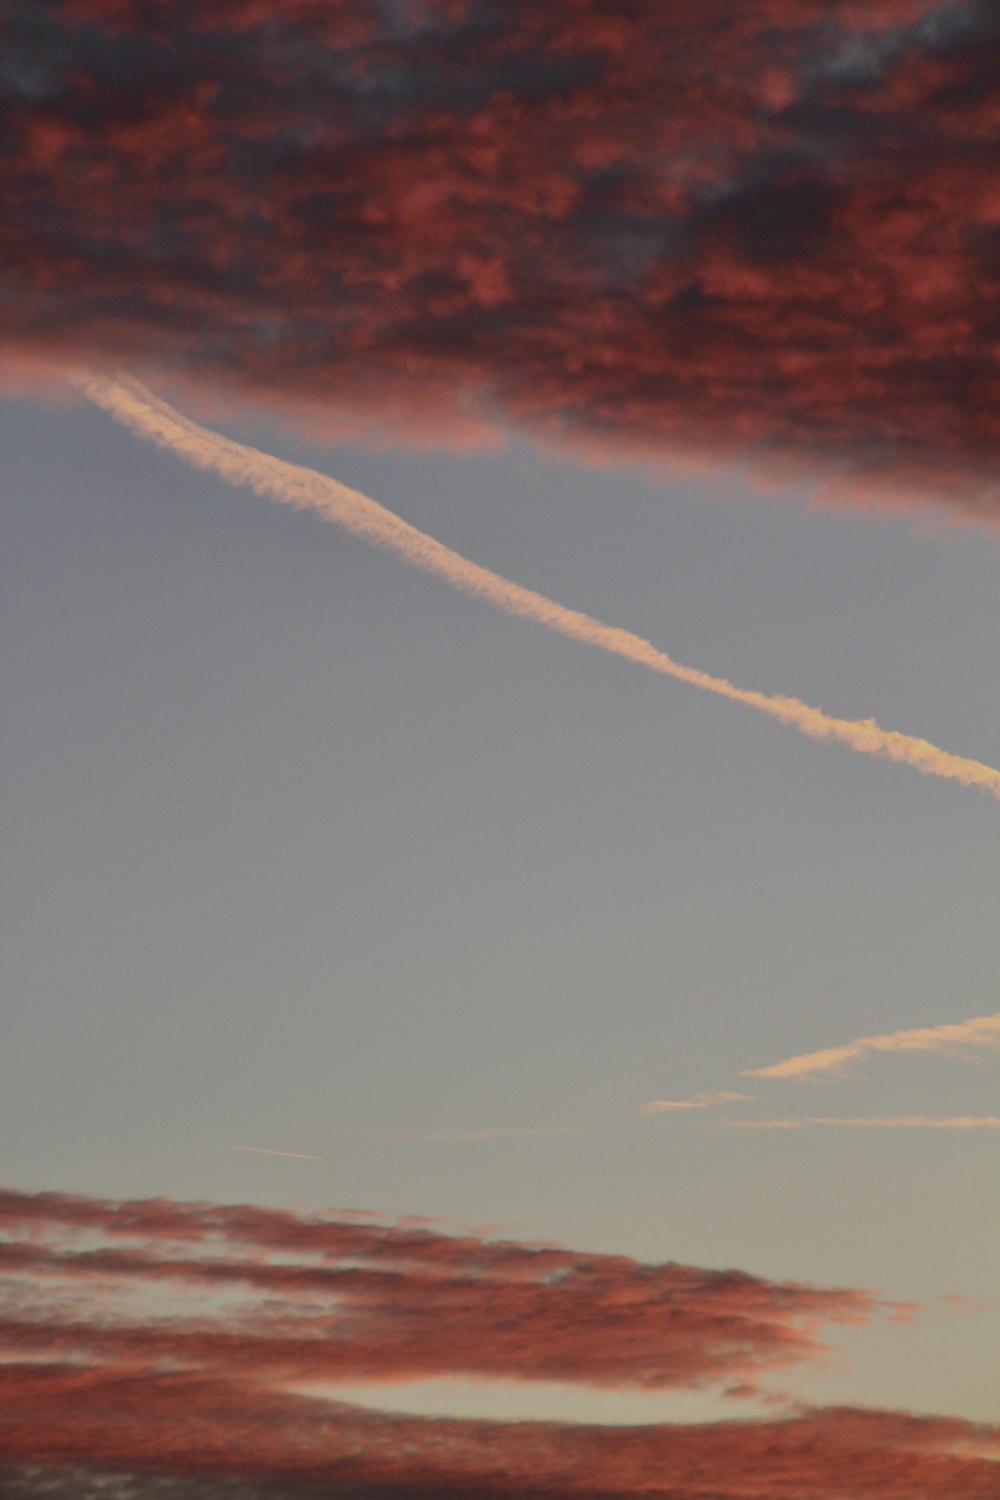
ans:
(488, 1133)
(147, 415)
(269, 1151)
(980, 1031)
(697, 1101)
(874, 1122)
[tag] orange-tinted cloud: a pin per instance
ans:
(747, 228)
(223, 1430)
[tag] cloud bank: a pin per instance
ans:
(746, 229)
(305, 489)
(193, 1428)
(953, 1037)
(153, 1348)
(361, 1301)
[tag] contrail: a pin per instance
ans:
(697, 1101)
(877, 1122)
(266, 1151)
(304, 489)
(981, 1031)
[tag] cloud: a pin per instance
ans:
(305, 489)
(876, 1122)
(762, 232)
(485, 1133)
(267, 1151)
(152, 1349)
(952, 1037)
(698, 1101)
(358, 1301)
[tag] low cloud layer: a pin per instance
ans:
(153, 1349)
(766, 230)
(359, 1301)
(874, 1122)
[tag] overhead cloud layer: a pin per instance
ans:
(763, 228)
(154, 1349)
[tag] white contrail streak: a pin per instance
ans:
(980, 1031)
(876, 1122)
(304, 489)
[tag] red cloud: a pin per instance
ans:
(764, 228)
(160, 1342)
(362, 1301)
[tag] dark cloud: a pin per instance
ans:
(747, 228)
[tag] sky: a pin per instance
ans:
(499, 751)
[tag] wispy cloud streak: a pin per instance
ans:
(226, 1439)
(485, 1133)
(955, 1037)
(874, 1122)
(304, 489)
(212, 1320)
(697, 1101)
